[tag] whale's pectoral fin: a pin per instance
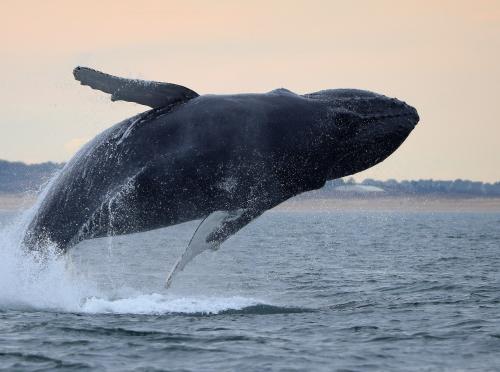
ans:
(211, 233)
(149, 93)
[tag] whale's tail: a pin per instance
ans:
(150, 93)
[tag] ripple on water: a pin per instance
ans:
(351, 291)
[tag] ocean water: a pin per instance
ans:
(293, 291)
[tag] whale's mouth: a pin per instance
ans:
(406, 111)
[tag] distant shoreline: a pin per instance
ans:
(12, 202)
(394, 203)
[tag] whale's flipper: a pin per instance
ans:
(149, 93)
(211, 233)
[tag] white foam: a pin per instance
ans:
(163, 304)
(35, 281)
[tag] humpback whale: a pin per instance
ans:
(224, 159)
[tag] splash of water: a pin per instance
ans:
(164, 304)
(48, 281)
(35, 280)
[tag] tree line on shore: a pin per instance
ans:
(458, 187)
(17, 177)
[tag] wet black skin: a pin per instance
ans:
(216, 152)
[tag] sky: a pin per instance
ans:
(443, 57)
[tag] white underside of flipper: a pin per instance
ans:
(200, 241)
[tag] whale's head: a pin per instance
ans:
(361, 128)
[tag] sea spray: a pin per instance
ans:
(167, 304)
(47, 280)
(41, 279)
(36, 280)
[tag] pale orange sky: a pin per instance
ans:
(441, 57)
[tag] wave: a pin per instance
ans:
(158, 304)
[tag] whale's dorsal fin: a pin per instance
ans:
(149, 93)
(282, 91)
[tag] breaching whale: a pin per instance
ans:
(222, 158)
